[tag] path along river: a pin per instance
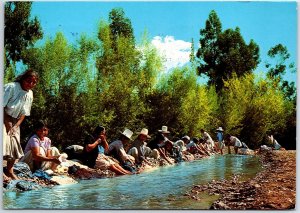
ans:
(162, 188)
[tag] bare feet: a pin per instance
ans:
(11, 175)
(6, 179)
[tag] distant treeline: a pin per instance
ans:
(114, 81)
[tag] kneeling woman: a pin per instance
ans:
(93, 158)
(38, 152)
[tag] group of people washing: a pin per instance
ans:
(121, 156)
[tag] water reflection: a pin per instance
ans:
(162, 188)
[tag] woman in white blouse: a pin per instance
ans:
(17, 103)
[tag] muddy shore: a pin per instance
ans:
(272, 188)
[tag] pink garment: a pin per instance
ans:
(35, 141)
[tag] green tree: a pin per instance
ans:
(223, 53)
(278, 66)
(181, 103)
(20, 30)
(192, 55)
(119, 76)
(253, 107)
(120, 26)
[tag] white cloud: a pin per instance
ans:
(176, 52)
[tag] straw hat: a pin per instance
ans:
(144, 131)
(127, 133)
(164, 129)
(220, 129)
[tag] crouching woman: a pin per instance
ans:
(39, 154)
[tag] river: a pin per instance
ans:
(162, 188)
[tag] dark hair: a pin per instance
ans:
(40, 124)
(227, 136)
(26, 74)
(98, 130)
(160, 137)
(196, 140)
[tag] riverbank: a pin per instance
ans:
(272, 188)
(72, 172)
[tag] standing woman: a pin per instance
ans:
(17, 103)
(220, 139)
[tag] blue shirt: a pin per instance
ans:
(100, 149)
(220, 136)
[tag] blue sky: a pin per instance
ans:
(172, 25)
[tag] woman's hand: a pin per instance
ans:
(55, 159)
(13, 130)
(99, 141)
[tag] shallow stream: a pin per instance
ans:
(162, 188)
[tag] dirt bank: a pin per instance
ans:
(272, 188)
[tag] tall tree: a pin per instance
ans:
(251, 108)
(279, 53)
(120, 25)
(118, 73)
(278, 65)
(192, 54)
(20, 30)
(223, 53)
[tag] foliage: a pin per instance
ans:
(222, 53)
(113, 81)
(20, 31)
(60, 97)
(278, 64)
(279, 53)
(181, 103)
(120, 26)
(252, 108)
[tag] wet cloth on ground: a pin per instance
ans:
(21, 169)
(21, 185)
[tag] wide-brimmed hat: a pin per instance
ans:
(220, 129)
(144, 131)
(164, 129)
(186, 137)
(181, 144)
(127, 133)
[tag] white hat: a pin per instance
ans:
(144, 132)
(180, 143)
(220, 129)
(164, 129)
(127, 133)
(186, 137)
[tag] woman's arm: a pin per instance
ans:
(104, 142)
(38, 157)
(21, 119)
(162, 153)
(15, 127)
(91, 146)
(7, 124)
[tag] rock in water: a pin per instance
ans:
(62, 180)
